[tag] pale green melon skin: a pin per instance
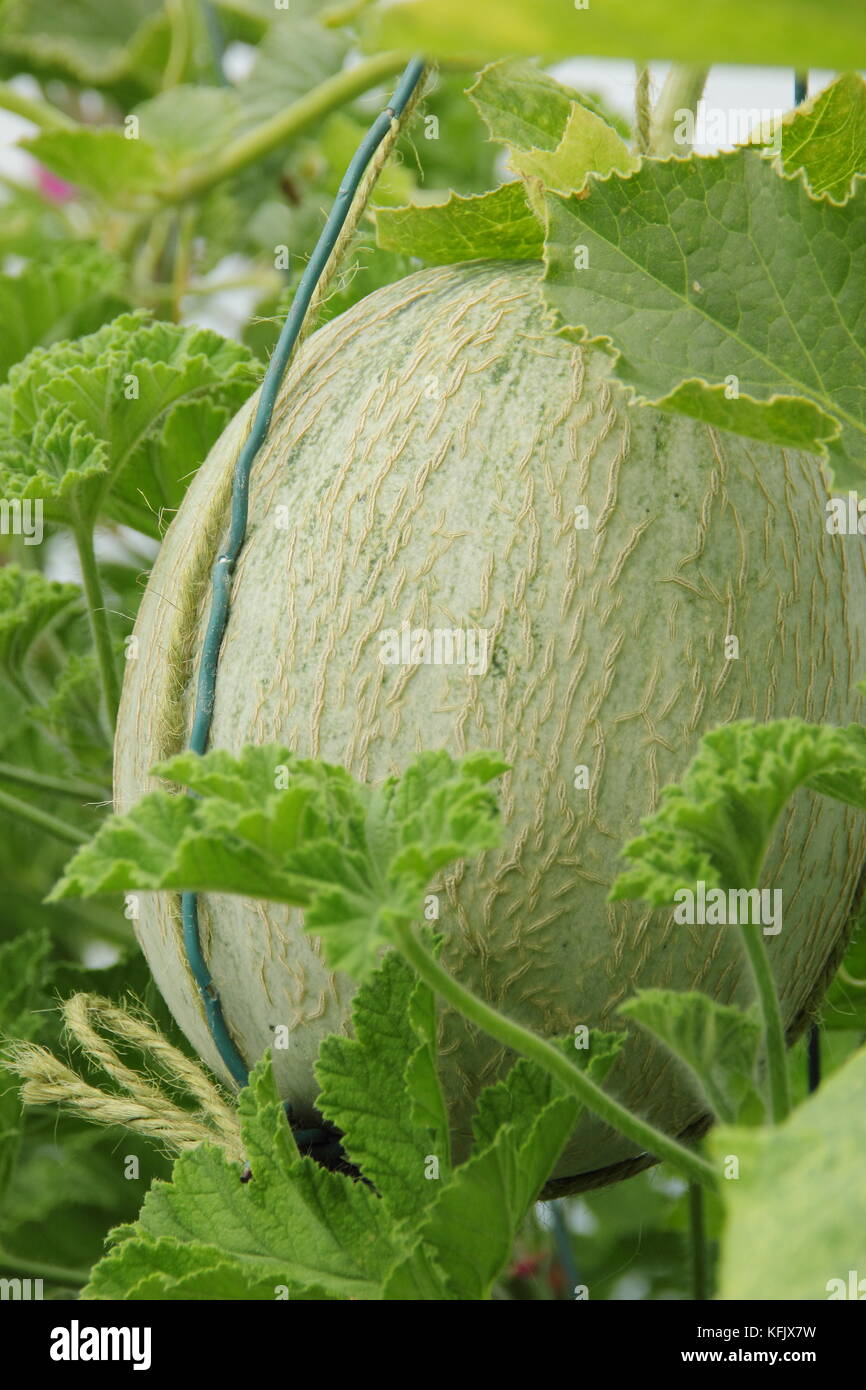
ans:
(431, 447)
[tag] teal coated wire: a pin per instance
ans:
(564, 1247)
(223, 569)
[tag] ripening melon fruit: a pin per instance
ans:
(438, 458)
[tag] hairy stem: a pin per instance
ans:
(99, 629)
(182, 260)
(60, 786)
(685, 1162)
(255, 144)
(41, 113)
(681, 93)
(771, 1017)
(43, 820)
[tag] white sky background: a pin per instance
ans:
(727, 89)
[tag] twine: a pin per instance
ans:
(643, 109)
(142, 1104)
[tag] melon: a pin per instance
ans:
(441, 462)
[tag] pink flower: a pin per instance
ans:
(55, 189)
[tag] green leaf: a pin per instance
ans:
(66, 292)
(469, 1231)
(94, 41)
(498, 225)
(528, 1087)
(170, 1269)
(654, 265)
(797, 1211)
(100, 159)
(22, 977)
(357, 858)
(792, 33)
(70, 715)
(22, 994)
(30, 607)
(588, 145)
(293, 1223)
(427, 1108)
(826, 138)
(844, 1005)
(521, 105)
(718, 1043)
(716, 824)
(552, 133)
(101, 426)
(296, 55)
(364, 1090)
(176, 129)
(185, 123)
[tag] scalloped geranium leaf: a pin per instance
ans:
(30, 607)
(268, 824)
(61, 294)
(826, 138)
(366, 1082)
(520, 1127)
(716, 824)
(717, 1042)
(782, 32)
(293, 1224)
(100, 426)
(725, 292)
(497, 226)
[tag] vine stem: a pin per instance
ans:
(43, 820)
(57, 1274)
(643, 108)
(269, 135)
(685, 1162)
(60, 786)
(697, 1242)
(98, 618)
(47, 117)
(771, 1017)
(682, 91)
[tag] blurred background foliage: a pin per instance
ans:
(207, 217)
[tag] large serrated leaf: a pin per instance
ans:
(826, 138)
(796, 1202)
(496, 225)
(726, 293)
(364, 1094)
